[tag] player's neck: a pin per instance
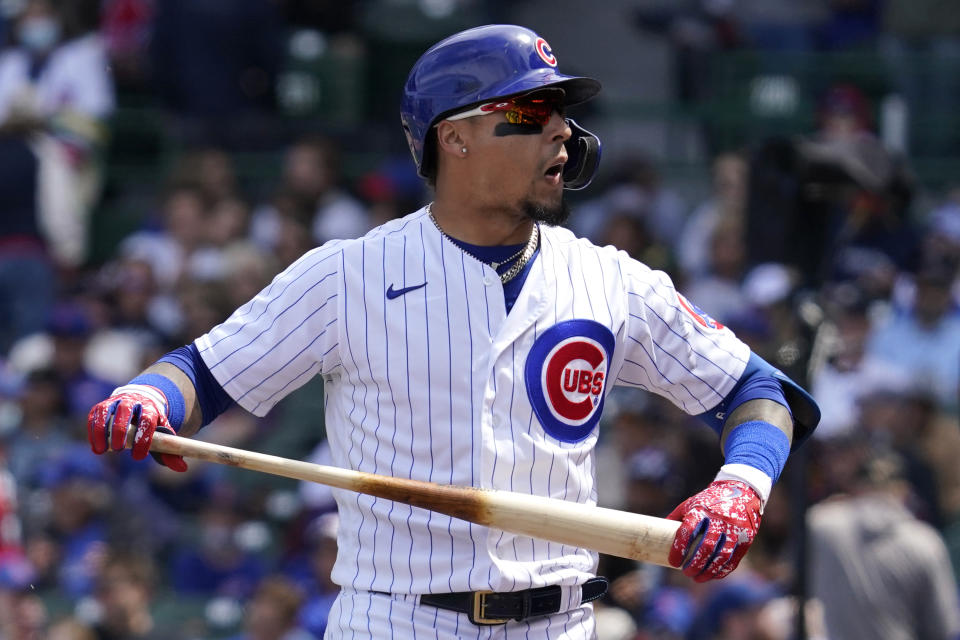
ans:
(482, 227)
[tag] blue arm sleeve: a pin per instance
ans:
(755, 383)
(761, 379)
(176, 406)
(213, 399)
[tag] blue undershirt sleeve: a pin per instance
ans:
(757, 382)
(213, 399)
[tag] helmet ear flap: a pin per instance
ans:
(428, 162)
(583, 157)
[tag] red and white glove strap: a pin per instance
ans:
(145, 390)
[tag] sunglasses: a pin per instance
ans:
(529, 109)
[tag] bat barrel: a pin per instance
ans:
(611, 531)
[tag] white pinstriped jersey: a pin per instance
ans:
(427, 377)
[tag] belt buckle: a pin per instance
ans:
(479, 605)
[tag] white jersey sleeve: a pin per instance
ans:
(674, 349)
(283, 337)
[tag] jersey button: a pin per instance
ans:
(488, 281)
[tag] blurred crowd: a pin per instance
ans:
(823, 251)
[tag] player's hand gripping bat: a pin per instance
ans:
(618, 533)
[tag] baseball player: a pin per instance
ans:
(473, 342)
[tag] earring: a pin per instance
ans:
(463, 149)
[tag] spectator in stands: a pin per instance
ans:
(124, 590)
(653, 485)
(937, 443)
(126, 26)
(634, 422)
(63, 348)
(879, 572)
(226, 256)
(663, 609)
(15, 570)
(217, 564)
(248, 271)
(136, 317)
(925, 436)
(867, 211)
(80, 493)
(627, 227)
(271, 613)
(184, 218)
(773, 555)
(201, 301)
(732, 610)
(70, 629)
(638, 182)
(43, 556)
(931, 326)
(42, 433)
(390, 190)
(727, 202)
(291, 237)
(769, 321)
(229, 219)
(719, 291)
(895, 416)
(55, 96)
(847, 373)
(71, 328)
(311, 176)
(614, 623)
(134, 298)
(834, 204)
(23, 616)
(211, 170)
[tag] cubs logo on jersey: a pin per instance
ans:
(698, 314)
(566, 376)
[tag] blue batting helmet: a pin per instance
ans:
(480, 65)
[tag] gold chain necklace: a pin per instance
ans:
(497, 265)
(524, 254)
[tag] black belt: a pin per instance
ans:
(489, 607)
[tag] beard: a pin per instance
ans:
(553, 215)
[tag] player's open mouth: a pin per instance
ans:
(553, 173)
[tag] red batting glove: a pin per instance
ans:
(722, 521)
(134, 404)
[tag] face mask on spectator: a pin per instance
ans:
(39, 34)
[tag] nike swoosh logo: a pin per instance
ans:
(396, 293)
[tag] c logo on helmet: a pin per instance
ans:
(545, 52)
(566, 377)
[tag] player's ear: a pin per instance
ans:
(451, 139)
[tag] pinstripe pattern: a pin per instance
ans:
(430, 385)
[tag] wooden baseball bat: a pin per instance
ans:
(618, 533)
